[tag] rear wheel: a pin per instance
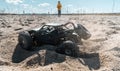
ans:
(25, 40)
(73, 38)
(68, 47)
(82, 32)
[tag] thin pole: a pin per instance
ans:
(113, 6)
(51, 10)
(67, 10)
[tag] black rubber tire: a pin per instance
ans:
(25, 40)
(68, 48)
(73, 38)
(82, 32)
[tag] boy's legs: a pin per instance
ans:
(59, 13)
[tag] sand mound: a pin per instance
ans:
(44, 57)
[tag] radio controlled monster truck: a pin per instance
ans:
(64, 36)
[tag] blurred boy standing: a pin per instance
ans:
(59, 6)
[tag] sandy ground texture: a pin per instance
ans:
(99, 53)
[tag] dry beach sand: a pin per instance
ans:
(102, 49)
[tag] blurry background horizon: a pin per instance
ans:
(68, 6)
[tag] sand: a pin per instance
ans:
(102, 50)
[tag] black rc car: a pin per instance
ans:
(64, 36)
